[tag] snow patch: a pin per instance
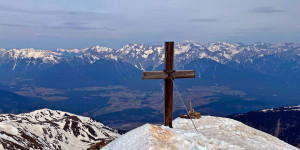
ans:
(52, 128)
(214, 133)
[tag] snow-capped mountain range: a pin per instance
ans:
(146, 57)
(29, 56)
(51, 129)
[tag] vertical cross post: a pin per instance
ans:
(169, 64)
(168, 75)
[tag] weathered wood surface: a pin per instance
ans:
(179, 74)
(183, 74)
(169, 63)
(154, 75)
(169, 56)
(168, 75)
(168, 112)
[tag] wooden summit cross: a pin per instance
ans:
(169, 74)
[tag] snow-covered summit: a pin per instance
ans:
(31, 53)
(95, 53)
(29, 56)
(71, 51)
(100, 49)
(213, 133)
(51, 129)
(2, 50)
(142, 56)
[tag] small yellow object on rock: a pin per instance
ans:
(191, 114)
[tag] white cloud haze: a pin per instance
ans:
(76, 23)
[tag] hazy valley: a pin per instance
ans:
(105, 83)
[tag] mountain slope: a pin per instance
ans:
(101, 72)
(285, 119)
(49, 129)
(14, 103)
(214, 133)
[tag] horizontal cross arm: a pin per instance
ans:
(163, 75)
(183, 74)
(154, 75)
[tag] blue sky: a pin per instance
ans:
(51, 24)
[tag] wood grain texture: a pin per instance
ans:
(169, 56)
(168, 75)
(168, 112)
(154, 75)
(177, 74)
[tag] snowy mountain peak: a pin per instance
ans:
(29, 56)
(135, 48)
(188, 41)
(31, 53)
(2, 50)
(49, 129)
(213, 133)
(100, 49)
(48, 115)
(71, 51)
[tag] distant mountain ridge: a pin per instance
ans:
(280, 60)
(51, 129)
(143, 56)
(283, 121)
